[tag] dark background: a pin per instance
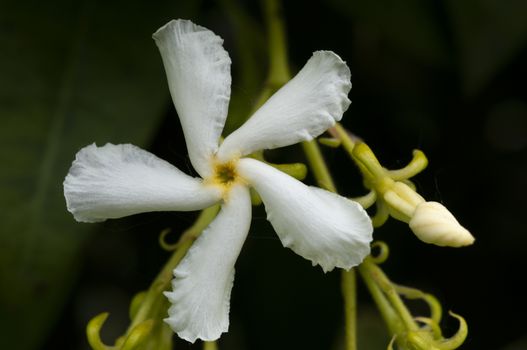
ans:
(446, 77)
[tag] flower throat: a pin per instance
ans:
(225, 173)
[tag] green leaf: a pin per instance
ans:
(72, 73)
(489, 34)
(249, 57)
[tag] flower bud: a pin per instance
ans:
(433, 223)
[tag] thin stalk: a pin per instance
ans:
(279, 72)
(210, 345)
(318, 166)
(345, 138)
(277, 47)
(392, 320)
(389, 290)
(349, 287)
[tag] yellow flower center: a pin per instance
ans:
(225, 173)
(224, 176)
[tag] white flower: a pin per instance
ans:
(118, 180)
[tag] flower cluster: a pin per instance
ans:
(395, 195)
(113, 181)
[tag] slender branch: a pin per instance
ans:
(318, 166)
(376, 274)
(392, 320)
(210, 345)
(279, 72)
(349, 288)
(344, 137)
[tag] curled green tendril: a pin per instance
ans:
(418, 163)
(296, 170)
(367, 160)
(367, 200)
(392, 341)
(383, 253)
(93, 332)
(138, 335)
(457, 339)
(133, 341)
(381, 215)
(136, 303)
(436, 311)
(164, 244)
(330, 142)
(432, 325)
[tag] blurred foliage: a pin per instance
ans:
(249, 58)
(410, 26)
(488, 35)
(72, 73)
(440, 73)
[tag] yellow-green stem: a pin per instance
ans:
(318, 166)
(345, 138)
(376, 274)
(210, 345)
(278, 66)
(361, 154)
(392, 320)
(349, 287)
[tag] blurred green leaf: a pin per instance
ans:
(249, 63)
(489, 33)
(71, 73)
(411, 26)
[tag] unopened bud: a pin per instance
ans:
(433, 223)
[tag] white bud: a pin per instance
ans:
(433, 223)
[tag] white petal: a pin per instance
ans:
(301, 110)
(199, 77)
(321, 226)
(113, 181)
(203, 280)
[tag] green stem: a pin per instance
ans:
(279, 72)
(361, 154)
(345, 138)
(210, 345)
(349, 287)
(392, 320)
(278, 67)
(318, 165)
(376, 274)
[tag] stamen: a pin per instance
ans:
(225, 173)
